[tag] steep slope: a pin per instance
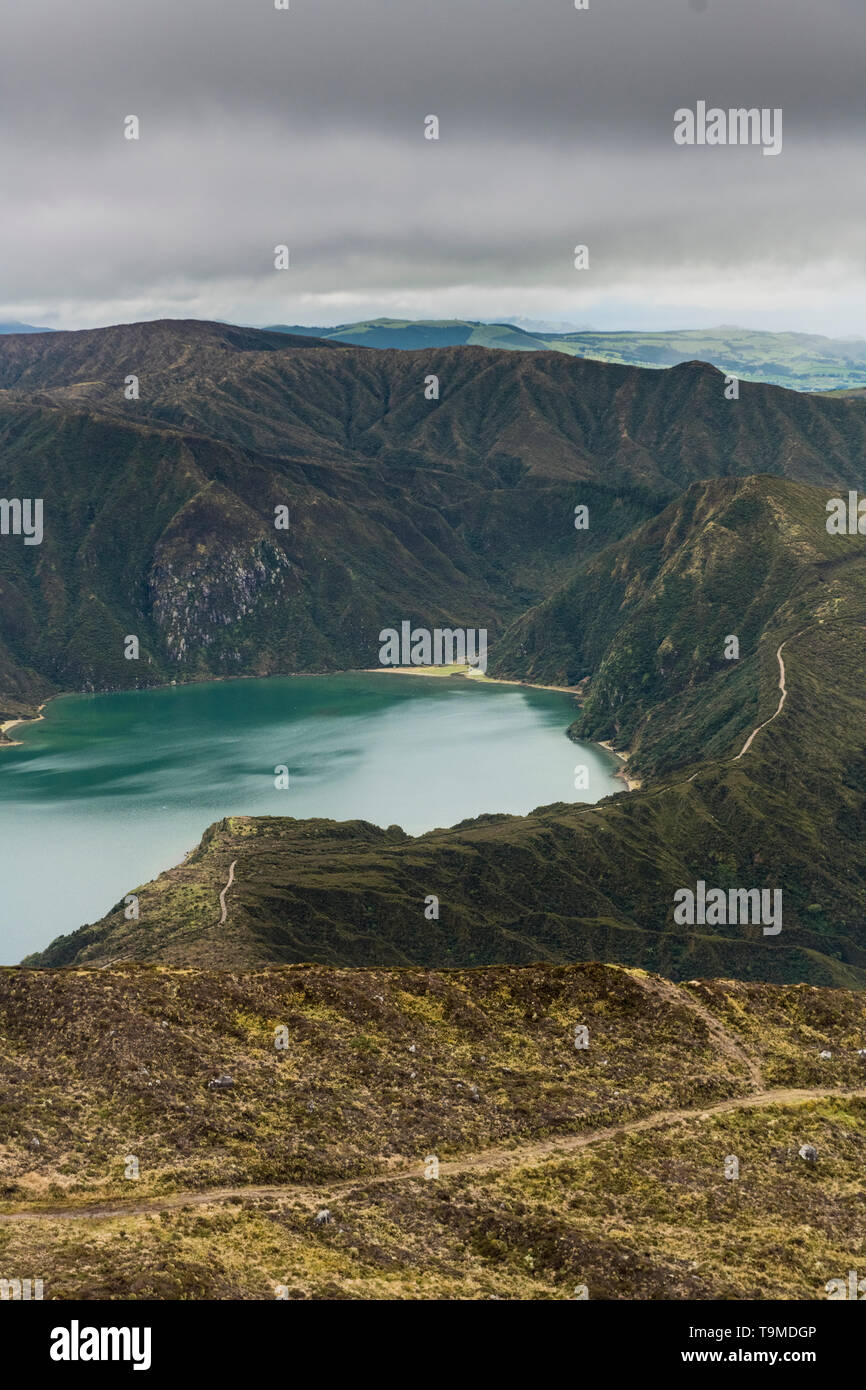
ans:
(171, 538)
(538, 413)
(651, 617)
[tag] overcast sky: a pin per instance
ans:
(306, 127)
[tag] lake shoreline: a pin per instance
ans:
(449, 671)
(633, 783)
(8, 724)
(111, 793)
(621, 774)
(25, 719)
(434, 672)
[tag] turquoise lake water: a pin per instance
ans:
(109, 790)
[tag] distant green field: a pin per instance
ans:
(800, 361)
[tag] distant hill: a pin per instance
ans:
(800, 361)
(420, 333)
(12, 327)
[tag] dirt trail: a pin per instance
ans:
(726, 1041)
(231, 879)
(783, 696)
(482, 1161)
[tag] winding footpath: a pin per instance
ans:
(674, 996)
(480, 1162)
(231, 879)
(748, 743)
(782, 697)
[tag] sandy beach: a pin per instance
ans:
(633, 783)
(468, 673)
(13, 723)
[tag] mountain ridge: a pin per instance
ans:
(706, 518)
(456, 510)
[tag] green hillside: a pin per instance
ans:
(239, 1094)
(649, 617)
(160, 510)
(706, 520)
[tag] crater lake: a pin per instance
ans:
(106, 791)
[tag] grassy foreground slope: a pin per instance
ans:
(602, 1166)
(571, 883)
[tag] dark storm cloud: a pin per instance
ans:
(261, 126)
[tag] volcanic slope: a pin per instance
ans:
(571, 882)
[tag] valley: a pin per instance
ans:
(734, 790)
(433, 723)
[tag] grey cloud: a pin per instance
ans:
(261, 126)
